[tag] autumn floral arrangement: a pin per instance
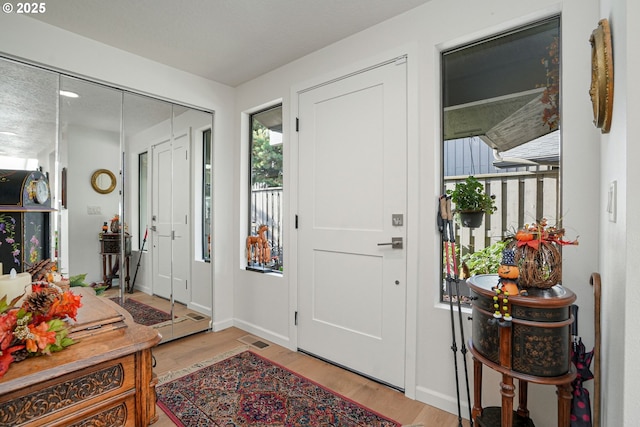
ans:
(536, 247)
(38, 326)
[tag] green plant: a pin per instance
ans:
(485, 261)
(469, 196)
(78, 280)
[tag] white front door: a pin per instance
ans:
(352, 198)
(170, 218)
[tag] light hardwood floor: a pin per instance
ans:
(184, 352)
(183, 324)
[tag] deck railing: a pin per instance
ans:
(521, 198)
(267, 209)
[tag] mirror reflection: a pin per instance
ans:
(137, 171)
(103, 181)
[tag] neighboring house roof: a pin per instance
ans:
(544, 150)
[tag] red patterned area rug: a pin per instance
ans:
(143, 314)
(249, 390)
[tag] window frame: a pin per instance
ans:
(207, 193)
(277, 194)
(551, 172)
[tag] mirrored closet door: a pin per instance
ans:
(131, 187)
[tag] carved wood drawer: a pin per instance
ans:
(101, 395)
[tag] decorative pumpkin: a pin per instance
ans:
(525, 236)
(510, 288)
(507, 271)
(507, 284)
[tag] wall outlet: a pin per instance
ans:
(612, 201)
(94, 210)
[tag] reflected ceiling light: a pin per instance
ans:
(6, 132)
(69, 94)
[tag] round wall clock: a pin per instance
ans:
(42, 191)
(601, 90)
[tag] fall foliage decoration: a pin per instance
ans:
(37, 327)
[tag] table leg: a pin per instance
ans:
(477, 390)
(126, 279)
(564, 404)
(523, 387)
(507, 392)
(104, 269)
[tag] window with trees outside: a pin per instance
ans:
(266, 191)
(207, 174)
(501, 121)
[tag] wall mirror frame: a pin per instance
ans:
(103, 181)
(91, 143)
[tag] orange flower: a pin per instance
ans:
(42, 338)
(66, 304)
(7, 324)
(6, 358)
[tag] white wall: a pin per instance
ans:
(89, 150)
(266, 304)
(620, 247)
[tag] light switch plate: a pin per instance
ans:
(94, 210)
(612, 201)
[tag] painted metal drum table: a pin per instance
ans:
(533, 345)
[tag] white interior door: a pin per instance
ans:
(161, 230)
(170, 218)
(181, 203)
(352, 194)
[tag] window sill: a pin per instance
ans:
(262, 270)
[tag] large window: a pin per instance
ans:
(265, 192)
(501, 122)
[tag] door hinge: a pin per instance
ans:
(296, 222)
(295, 318)
(297, 124)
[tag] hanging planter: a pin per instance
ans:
(471, 202)
(472, 219)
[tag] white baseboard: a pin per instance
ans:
(263, 333)
(443, 401)
(222, 325)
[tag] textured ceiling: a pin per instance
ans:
(229, 41)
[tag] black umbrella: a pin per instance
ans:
(580, 404)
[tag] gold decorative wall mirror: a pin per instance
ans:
(103, 181)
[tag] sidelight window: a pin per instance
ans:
(266, 187)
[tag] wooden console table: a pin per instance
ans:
(535, 346)
(104, 379)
